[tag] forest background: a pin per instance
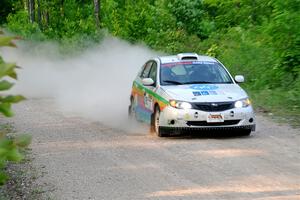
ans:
(257, 38)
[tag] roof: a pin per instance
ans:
(185, 56)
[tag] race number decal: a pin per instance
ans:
(148, 101)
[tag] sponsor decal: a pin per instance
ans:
(204, 93)
(204, 62)
(197, 93)
(204, 87)
(200, 93)
(172, 64)
(213, 93)
(153, 97)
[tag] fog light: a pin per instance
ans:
(171, 122)
(196, 115)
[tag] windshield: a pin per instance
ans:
(193, 72)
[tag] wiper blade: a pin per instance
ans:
(195, 82)
(174, 82)
(227, 82)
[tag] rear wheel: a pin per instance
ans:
(131, 109)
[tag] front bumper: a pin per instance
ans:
(235, 118)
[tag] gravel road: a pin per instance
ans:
(83, 159)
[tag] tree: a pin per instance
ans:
(31, 10)
(8, 7)
(97, 12)
(39, 14)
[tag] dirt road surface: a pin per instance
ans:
(83, 159)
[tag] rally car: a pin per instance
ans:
(190, 92)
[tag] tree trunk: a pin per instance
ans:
(62, 10)
(31, 10)
(97, 12)
(47, 17)
(28, 9)
(39, 15)
(25, 3)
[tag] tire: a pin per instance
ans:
(131, 110)
(155, 124)
(245, 132)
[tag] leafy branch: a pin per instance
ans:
(9, 147)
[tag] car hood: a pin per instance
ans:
(205, 92)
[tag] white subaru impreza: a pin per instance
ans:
(190, 92)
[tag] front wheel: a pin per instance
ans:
(155, 124)
(245, 132)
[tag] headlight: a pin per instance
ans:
(180, 104)
(242, 103)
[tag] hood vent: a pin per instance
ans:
(188, 56)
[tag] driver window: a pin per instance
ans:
(146, 71)
(153, 72)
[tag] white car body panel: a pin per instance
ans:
(147, 97)
(221, 93)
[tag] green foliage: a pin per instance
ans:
(147, 22)
(7, 7)
(231, 13)
(257, 38)
(71, 23)
(10, 151)
(9, 147)
(191, 16)
(284, 29)
(19, 24)
(7, 70)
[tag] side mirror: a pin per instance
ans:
(239, 79)
(147, 81)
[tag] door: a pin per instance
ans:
(145, 97)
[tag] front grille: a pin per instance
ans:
(213, 106)
(205, 123)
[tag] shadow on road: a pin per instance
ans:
(211, 135)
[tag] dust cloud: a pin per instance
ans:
(95, 84)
